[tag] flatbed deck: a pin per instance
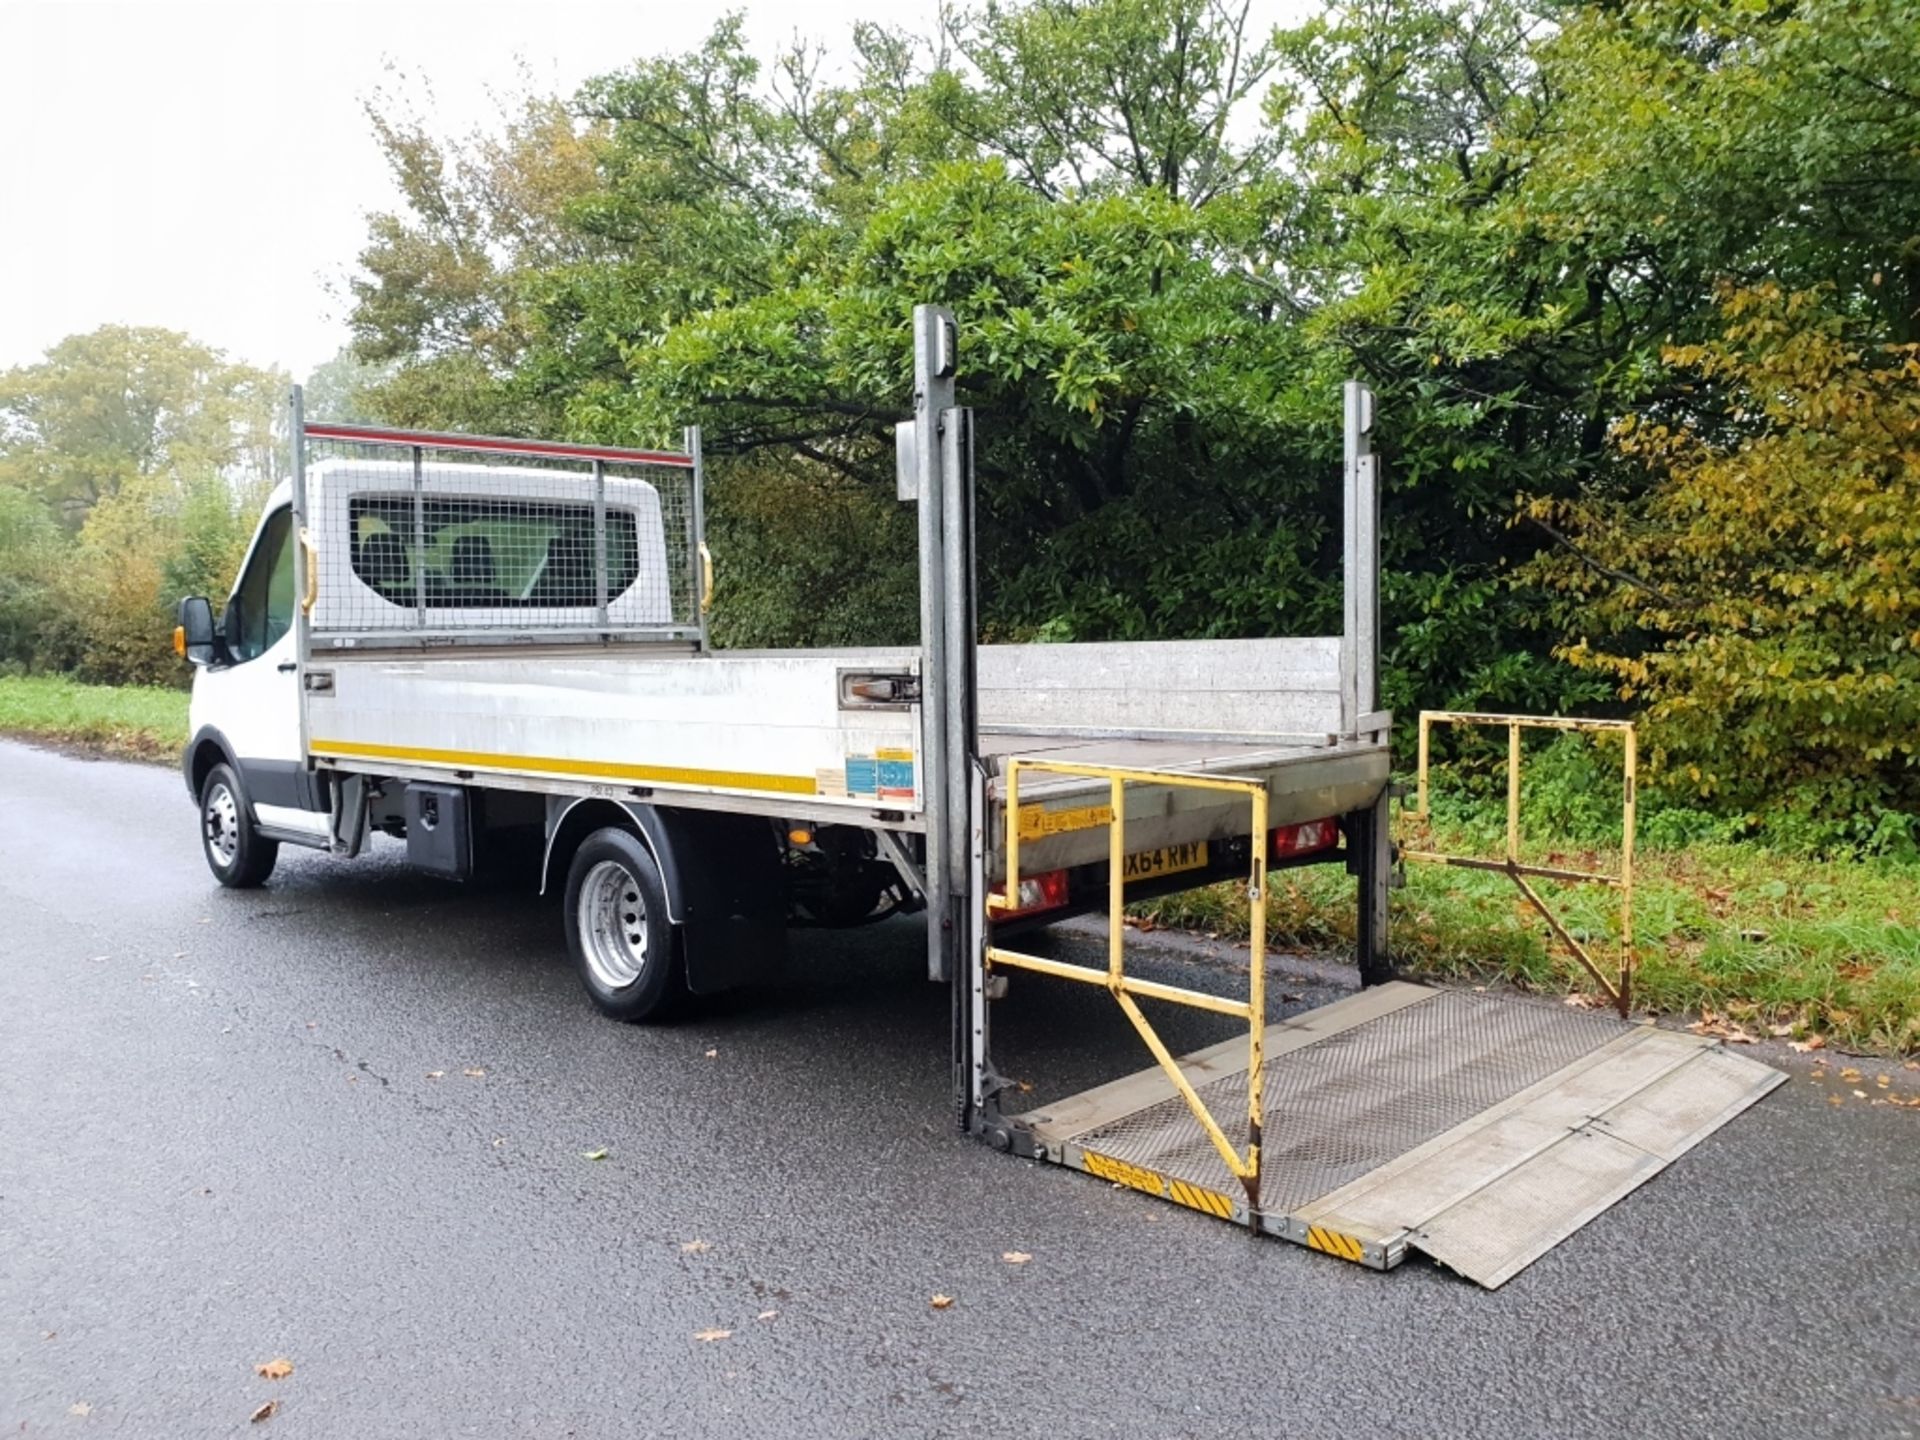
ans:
(770, 733)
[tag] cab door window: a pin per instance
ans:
(261, 609)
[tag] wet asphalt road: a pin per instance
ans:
(221, 1140)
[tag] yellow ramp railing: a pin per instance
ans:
(1619, 989)
(1126, 989)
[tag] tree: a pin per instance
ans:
(1501, 214)
(1747, 143)
(1081, 97)
(31, 548)
(132, 465)
(340, 389)
(1762, 600)
(444, 285)
(121, 402)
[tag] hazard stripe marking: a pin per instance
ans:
(1121, 1173)
(1194, 1198)
(1151, 1182)
(1332, 1242)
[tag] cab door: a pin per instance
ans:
(254, 699)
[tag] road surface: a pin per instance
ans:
(235, 1127)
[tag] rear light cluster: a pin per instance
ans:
(1302, 839)
(1047, 891)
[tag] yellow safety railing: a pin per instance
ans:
(1619, 990)
(1123, 987)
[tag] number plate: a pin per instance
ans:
(1168, 860)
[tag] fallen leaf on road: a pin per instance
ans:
(941, 1302)
(1812, 1042)
(1911, 1065)
(1850, 1075)
(277, 1368)
(265, 1412)
(1835, 1100)
(599, 1154)
(695, 1247)
(1721, 1028)
(80, 1407)
(767, 1315)
(1859, 1094)
(474, 1072)
(707, 1337)
(1016, 1257)
(1883, 1081)
(1581, 1000)
(435, 1074)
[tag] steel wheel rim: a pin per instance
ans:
(220, 822)
(612, 919)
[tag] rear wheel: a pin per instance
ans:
(237, 853)
(623, 945)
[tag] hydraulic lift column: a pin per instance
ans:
(935, 468)
(1370, 839)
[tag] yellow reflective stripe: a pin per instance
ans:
(1120, 1172)
(1332, 1242)
(558, 765)
(1150, 1182)
(1195, 1198)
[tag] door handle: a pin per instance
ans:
(287, 667)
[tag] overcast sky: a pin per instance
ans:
(208, 167)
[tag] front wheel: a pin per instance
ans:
(237, 853)
(618, 932)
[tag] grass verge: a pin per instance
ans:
(128, 721)
(1824, 951)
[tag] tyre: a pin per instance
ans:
(237, 853)
(623, 945)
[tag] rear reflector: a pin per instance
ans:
(1047, 891)
(1302, 839)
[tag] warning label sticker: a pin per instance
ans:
(896, 774)
(884, 775)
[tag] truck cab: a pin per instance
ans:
(416, 548)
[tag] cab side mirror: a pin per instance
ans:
(194, 638)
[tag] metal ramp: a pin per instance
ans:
(1479, 1131)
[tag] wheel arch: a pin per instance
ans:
(571, 820)
(722, 873)
(206, 749)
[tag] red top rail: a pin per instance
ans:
(495, 445)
